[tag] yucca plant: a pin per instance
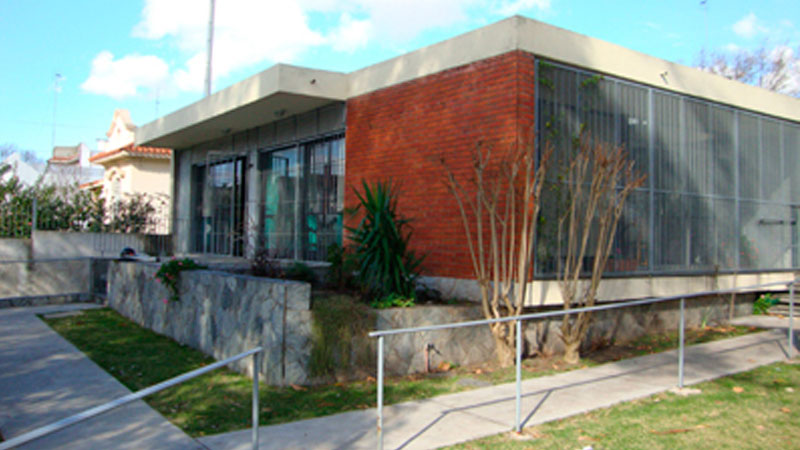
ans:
(385, 265)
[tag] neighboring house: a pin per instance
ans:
(27, 173)
(132, 170)
(71, 166)
(273, 160)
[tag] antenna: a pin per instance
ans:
(56, 89)
(704, 4)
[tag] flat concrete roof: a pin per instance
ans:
(284, 90)
(280, 91)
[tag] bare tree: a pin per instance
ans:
(776, 69)
(499, 206)
(597, 181)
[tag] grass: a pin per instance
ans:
(751, 410)
(220, 401)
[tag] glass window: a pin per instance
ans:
(723, 183)
(302, 200)
(219, 200)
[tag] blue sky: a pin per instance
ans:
(148, 56)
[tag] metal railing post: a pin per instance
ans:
(518, 349)
(380, 392)
(255, 400)
(791, 320)
(124, 400)
(682, 337)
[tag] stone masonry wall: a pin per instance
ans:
(222, 315)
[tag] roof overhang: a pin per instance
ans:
(277, 92)
(286, 90)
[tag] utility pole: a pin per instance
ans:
(210, 46)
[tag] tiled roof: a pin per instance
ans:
(63, 159)
(91, 184)
(154, 152)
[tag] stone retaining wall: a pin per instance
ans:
(222, 315)
(627, 324)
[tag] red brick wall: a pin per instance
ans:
(399, 133)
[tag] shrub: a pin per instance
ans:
(342, 266)
(301, 272)
(384, 263)
(764, 303)
(169, 274)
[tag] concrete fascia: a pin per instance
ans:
(281, 88)
(592, 54)
(252, 102)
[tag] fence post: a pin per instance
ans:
(255, 400)
(380, 392)
(34, 218)
(791, 319)
(680, 348)
(518, 349)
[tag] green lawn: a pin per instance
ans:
(220, 401)
(759, 409)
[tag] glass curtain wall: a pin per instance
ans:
(722, 188)
(219, 199)
(302, 189)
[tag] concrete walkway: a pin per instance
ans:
(44, 378)
(454, 418)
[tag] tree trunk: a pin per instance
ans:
(572, 353)
(505, 344)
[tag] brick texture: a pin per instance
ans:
(402, 132)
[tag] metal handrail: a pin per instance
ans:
(97, 410)
(565, 312)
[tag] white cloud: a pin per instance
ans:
(748, 26)
(125, 77)
(731, 47)
(251, 33)
(351, 34)
(509, 8)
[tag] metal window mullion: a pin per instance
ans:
(537, 142)
(651, 179)
(737, 192)
(298, 185)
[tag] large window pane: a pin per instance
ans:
(219, 199)
(749, 150)
(280, 181)
(303, 199)
(723, 184)
(669, 156)
(723, 151)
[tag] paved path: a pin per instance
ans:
(44, 378)
(454, 418)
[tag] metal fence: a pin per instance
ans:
(86, 232)
(89, 413)
(550, 314)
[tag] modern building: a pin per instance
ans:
(273, 160)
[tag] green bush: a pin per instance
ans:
(301, 272)
(764, 303)
(342, 266)
(384, 263)
(169, 274)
